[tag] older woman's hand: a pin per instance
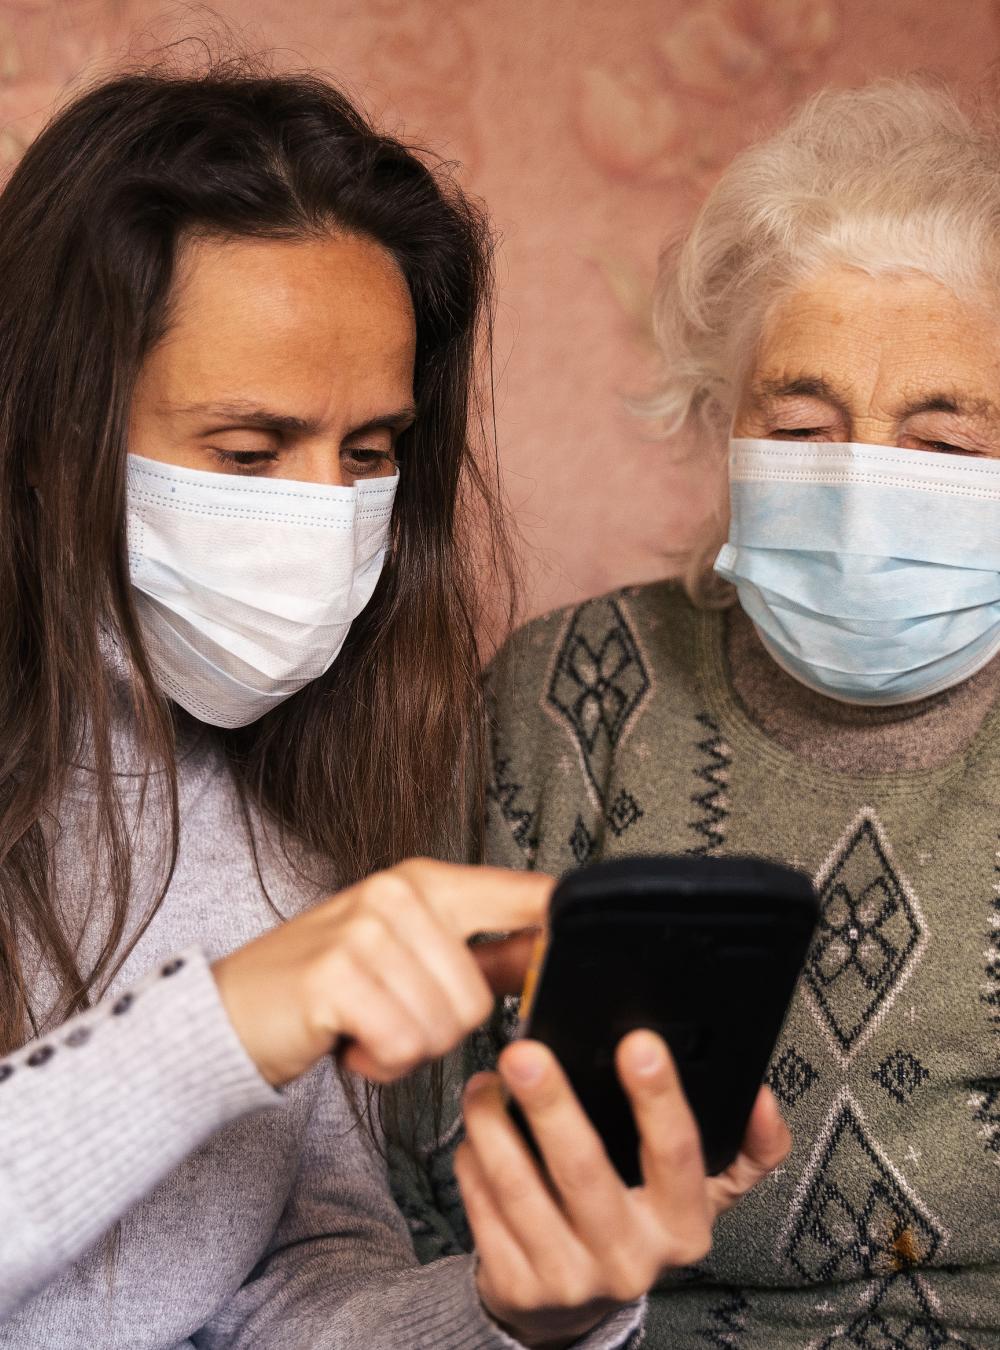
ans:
(558, 1252)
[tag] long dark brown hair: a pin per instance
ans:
(378, 759)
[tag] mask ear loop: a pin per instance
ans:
(729, 512)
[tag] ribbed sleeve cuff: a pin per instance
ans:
(96, 1114)
(444, 1309)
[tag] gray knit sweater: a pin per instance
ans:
(618, 731)
(154, 1190)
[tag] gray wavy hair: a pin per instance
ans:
(894, 176)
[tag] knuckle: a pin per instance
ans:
(571, 1284)
(520, 1294)
(680, 1150)
(325, 962)
(580, 1168)
(441, 1038)
(691, 1248)
(659, 1090)
(515, 1184)
(563, 1281)
(367, 933)
(391, 890)
(410, 1044)
(414, 874)
(323, 977)
(420, 865)
(626, 1285)
(404, 1047)
(546, 1098)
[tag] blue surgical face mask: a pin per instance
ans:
(871, 574)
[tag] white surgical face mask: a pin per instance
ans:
(246, 587)
(871, 574)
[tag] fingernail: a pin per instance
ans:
(645, 1053)
(476, 1084)
(524, 1066)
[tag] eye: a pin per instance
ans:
(911, 441)
(799, 433)
(946, 448)
(244, 461)
(362, 460)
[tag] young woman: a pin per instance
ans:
(238, 671)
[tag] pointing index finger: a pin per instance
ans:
(474, 900)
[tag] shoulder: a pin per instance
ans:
(575, 696)
(649, 626)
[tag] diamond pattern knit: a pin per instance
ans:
(619, 726)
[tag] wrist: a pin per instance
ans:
(552, 1329)
(241, 1019)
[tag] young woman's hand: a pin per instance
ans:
(557, 1253)
(382, 970)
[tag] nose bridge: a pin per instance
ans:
(317, 460)
(871, 429)
(873, 423)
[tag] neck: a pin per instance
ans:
(843, 736)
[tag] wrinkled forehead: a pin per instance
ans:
(873, 341)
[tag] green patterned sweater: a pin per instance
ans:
(617, 732)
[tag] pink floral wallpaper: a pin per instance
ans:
(590, 128)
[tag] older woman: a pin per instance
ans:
(832, 318)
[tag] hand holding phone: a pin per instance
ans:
(561, 1240)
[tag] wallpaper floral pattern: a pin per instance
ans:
(652, 123)
(591, 128)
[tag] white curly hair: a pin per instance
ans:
(894, 176)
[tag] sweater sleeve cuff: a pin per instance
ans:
(618, 1330)
(99, 1111)
(446, 1310)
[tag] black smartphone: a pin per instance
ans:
(704, 951)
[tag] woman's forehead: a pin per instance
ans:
(303, 326)
(847, 334)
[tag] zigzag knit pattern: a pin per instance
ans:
(711, 801)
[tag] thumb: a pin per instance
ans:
(765, 1144)
(505, 962)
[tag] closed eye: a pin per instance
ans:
(799, 433)
(244, 461)
(362, 460)
(947, 448)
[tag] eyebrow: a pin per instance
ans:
(809, 386)
(805, 386)
(266, 419)
(953, 403)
